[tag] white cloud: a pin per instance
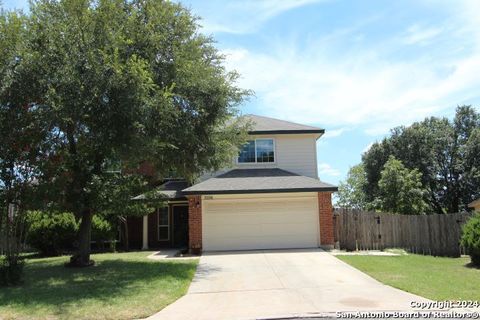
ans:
(419, 35)
(368, 87)
(244, 16)
(358, 90)
(333, 133)
(328, 170)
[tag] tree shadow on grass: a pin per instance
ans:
(470, 265)
(51, 285)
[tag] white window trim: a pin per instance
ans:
(163, 225)
(256, 162)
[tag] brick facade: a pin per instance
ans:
(325, 210)
(195, 224)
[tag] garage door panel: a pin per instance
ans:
(256, 218)
(260, 224)
(228, 231)
(288, 217)
(260, 230)
(254, 243)
(294, 229)
(222, 219)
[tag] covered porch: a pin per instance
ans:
(166, 226)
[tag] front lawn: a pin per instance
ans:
(119, 286)
(431, 277)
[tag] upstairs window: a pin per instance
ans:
(257, 151)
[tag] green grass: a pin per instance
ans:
(435, 278)
(119, 286)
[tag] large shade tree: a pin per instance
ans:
(127, 81)
(444, 151)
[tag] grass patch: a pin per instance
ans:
(435, 278)
(119, 286)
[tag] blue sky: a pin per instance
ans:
(355, 68)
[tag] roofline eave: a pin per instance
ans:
(251, 191)
(306, 131)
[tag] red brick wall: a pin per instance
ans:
(195, 224)
(135, 230)
(325, 210)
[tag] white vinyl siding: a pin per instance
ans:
(295, 153)
(260, 222)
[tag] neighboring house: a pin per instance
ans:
(475, 205)
(271, 198)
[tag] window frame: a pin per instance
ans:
(256, 162)
(163, 225)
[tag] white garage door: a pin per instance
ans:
(260, 223)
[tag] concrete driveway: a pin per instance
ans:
(280, 283)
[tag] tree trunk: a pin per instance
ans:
(82, 257)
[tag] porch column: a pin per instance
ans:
(145, 233)
(325, 211)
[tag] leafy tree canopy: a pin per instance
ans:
(125, 80)
(445, 154)
(351, 194)
(400, 189)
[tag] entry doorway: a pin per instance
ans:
(180, 225)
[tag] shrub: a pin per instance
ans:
(471, 238)
(51, 233)
(103, 230)
(54, 233)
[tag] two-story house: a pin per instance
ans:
(270, 198)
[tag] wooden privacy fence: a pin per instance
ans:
(437, 235)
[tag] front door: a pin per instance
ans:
(180, 225)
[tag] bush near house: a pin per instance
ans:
(55, 234)
(104, 230)
(51, 234)
(471, 238)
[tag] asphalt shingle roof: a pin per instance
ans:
(169, 190)
(258, 181)
(265, 125)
